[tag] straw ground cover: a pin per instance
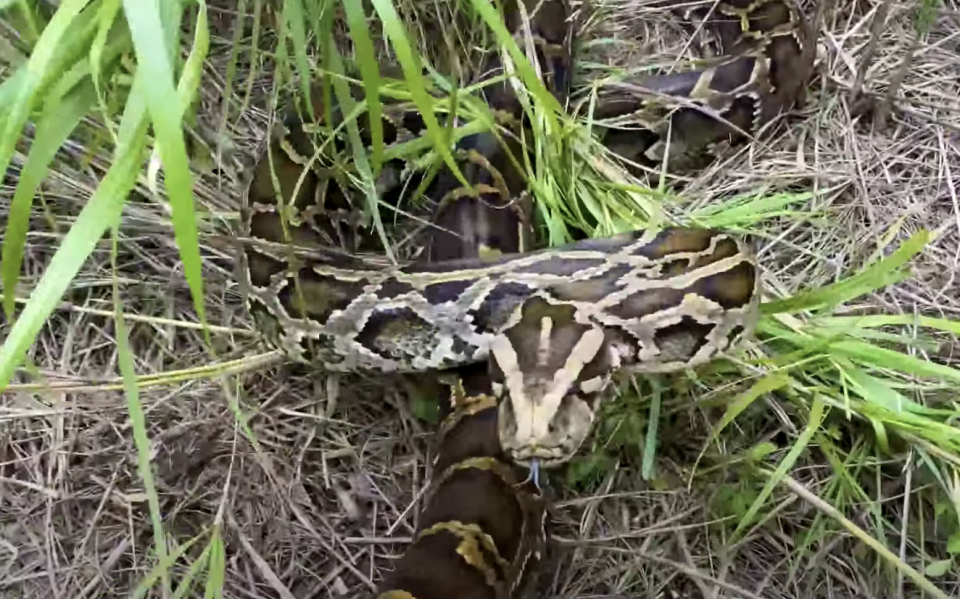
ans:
(141, 453)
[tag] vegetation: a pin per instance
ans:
(149, 446)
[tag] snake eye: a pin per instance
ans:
(734, 336)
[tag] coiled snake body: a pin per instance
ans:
(552, 324)
(650, 300)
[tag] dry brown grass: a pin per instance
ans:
(318, 509)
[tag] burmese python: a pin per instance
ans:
(482, 527)
(553, 324)
(651, 301)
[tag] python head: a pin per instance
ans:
(548, 371)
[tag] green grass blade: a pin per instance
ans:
(100, 212)
(138, 421)
(14, 113)
(752, 209)
(370, 72)
(877, 275)
(765, 385)
(22, 19)
(171, 14)
(878, 391)
(162, 567)
(349, 108)
(186, 583)
(153, 58)
(524, 69)
(294, 19)
(413, 73)
(813, 423)
(107, 46)
(54, 127)
(650, 442)
(228, 91)
(893, 360)
(216, 568)
(106, 17)
(886, 320)
(66, 57)
(189, 85)
(9, 90)
(10, 55)
(863, 537)
(252, 57)
(828, 343)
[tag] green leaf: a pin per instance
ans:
(166, 110)
(938, 568)
(877, 275)
(54, 127)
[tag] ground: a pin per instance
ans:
(850, 440)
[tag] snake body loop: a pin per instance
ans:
(549, 327)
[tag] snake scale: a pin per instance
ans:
(551, 326)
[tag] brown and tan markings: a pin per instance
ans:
(481, 531)
(531, 337)
(554, 323)
(482, 527)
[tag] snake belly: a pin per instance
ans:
(553, 323)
